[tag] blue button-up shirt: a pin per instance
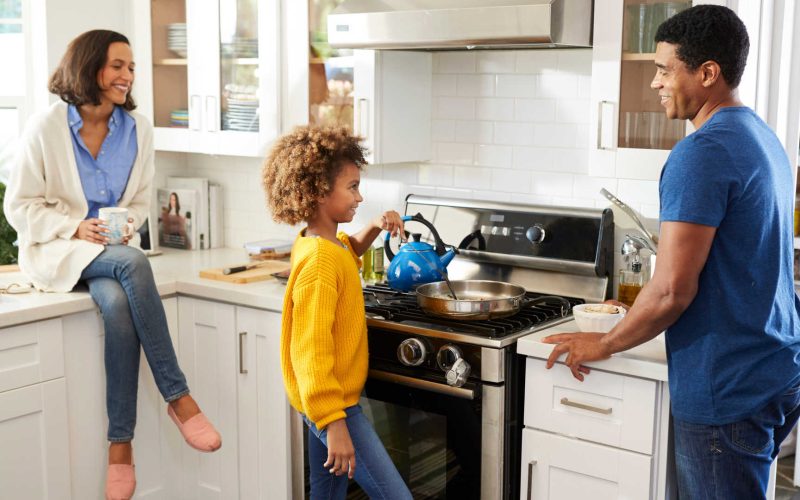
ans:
(104, 178)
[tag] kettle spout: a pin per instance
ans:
(447, 257)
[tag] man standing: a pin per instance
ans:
(723, 287)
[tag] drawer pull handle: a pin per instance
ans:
(530, 478)
(582, 406)
(242, 369)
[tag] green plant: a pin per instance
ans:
(8, 251)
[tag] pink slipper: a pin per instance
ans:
(197, 431)
(120, 482)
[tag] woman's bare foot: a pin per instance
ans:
(185, 407)
(120, 453)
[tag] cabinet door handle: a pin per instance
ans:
(194, 112)
(212, 116)
(362, 118)
(583, 406)
(600, 108)
(242, 369)
(531, 464)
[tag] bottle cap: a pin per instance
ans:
(636, 267)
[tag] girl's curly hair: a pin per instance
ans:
(302, 167)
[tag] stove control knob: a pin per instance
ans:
(412, 352)
(535, 234)
(458, 373)
(447, 356)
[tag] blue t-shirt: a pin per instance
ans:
(737, 346)
(104, 178)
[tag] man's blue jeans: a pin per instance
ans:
(121, 283)
(375, 472)
(732, 461)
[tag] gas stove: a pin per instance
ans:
(398, 310)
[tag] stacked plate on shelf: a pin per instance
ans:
(242, 108)
(179, 118)
(241, 47)
(176, 38)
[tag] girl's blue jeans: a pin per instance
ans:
(733, 461)
(375, 472)
(121, 283)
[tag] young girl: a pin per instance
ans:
(312, 175)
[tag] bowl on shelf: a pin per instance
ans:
(597, 317)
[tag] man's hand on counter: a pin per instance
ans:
(580, 348)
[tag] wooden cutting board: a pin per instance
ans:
(261, 273)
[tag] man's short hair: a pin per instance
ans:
(708, 33)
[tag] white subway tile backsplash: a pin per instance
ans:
(494, 61)
(475, 85)
(535, 110)
(572, 111)
(637, 191)
(512, 181)
(402, 173)
(650, 211)
(584, 87)
(531, 158)
(575, 61)
(444, 85)
(443, 130)
(556, 85)
(454, 193)
(536, 61)
(554, 135)
(572, 160)
(531, 199)
(492, 196)
(474, 132)
(491, 155)
(436, 175)
(421, 190)
(454, 108)
(513, 133)
(582, 136)
(516, 86)
(472, 177)
(572, 202)
(588, 188)
(453, 152)
(492, 108)
(552, 184)
(455, 62)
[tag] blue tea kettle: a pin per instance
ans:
(417, 262)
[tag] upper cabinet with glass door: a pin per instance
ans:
(215, 72)
(631, 134)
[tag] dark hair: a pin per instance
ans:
(75, 78)
(708, 33)
(177, 203)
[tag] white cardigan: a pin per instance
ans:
(45, 202)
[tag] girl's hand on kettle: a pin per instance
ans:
(90, 230)
(391, 221)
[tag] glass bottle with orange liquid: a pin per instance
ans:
(631, 282)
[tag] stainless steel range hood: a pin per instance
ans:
(461, 24)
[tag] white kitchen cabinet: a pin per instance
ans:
(264, 412)
(208, 355)
(157, 445)
(209, 73)
(630, 136)
(559, 468)
(383, 96)
(34, 462)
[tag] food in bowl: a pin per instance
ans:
(597, 317)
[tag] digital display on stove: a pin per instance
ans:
(496, 218)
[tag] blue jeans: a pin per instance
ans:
(732, 461)
(375, 472)
(121, 283)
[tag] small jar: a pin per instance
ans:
(631, 282)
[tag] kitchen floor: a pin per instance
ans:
(784, 489)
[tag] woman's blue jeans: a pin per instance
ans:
(732, 461)
(121, 283)
(375, 472)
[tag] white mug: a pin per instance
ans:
(116, 223)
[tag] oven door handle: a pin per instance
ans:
(424, 385)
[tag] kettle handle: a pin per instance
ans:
(439, 244)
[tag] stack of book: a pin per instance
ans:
(190, 214)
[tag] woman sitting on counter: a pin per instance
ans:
(88, 152)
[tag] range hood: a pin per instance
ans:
(460, 24)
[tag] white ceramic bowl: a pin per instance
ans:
(589, 321)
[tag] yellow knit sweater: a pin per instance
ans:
(324, 333)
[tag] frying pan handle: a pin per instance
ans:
(565, 305)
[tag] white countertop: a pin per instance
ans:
(648, 360)
(175, 271)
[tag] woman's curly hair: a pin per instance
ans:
(302, 167)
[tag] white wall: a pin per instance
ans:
(508, 125)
